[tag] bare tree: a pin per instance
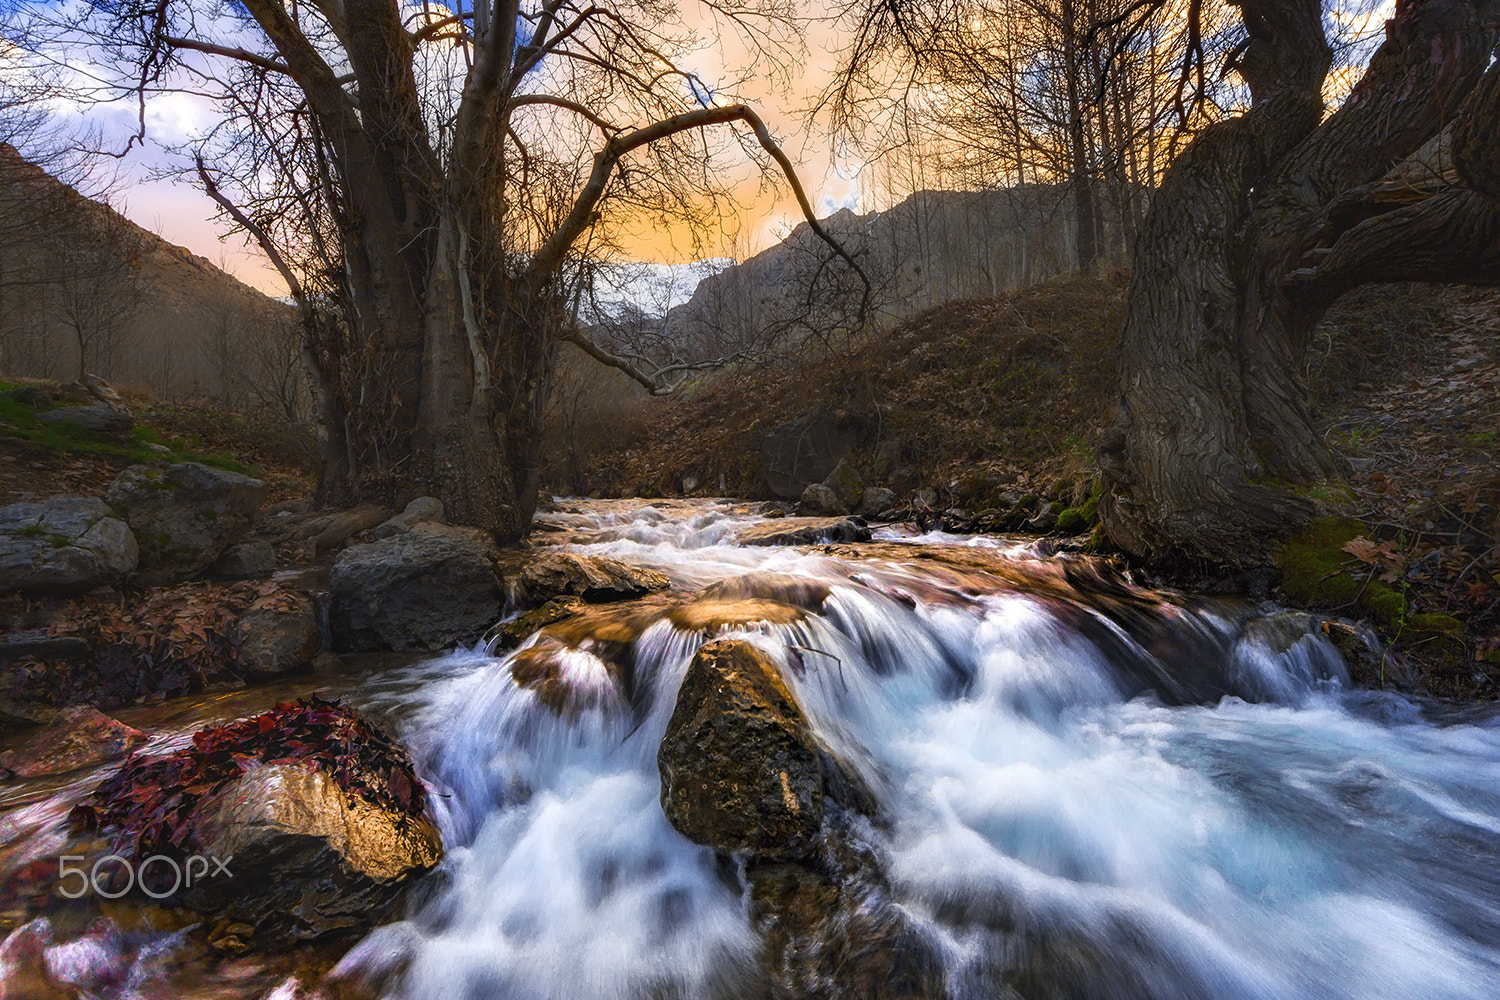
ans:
(428, 181)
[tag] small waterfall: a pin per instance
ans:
(1084, 789)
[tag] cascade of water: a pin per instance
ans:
(1082, 794)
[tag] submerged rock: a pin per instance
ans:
(422, 590)
(805, 531)
(78, 737)
(740, 770)
(185, 517)
(63, 545)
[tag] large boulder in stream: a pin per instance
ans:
(425, 589)
(184, 517)
(317, 818)
(63, 545)
(538, 577)
(740, 770)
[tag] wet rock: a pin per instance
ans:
(833, 933)
(422, 510)
(567, 679)
(317, 818)
(596, 579)
(805, 531)
(740, 770)
(876, 500)
(185, 517)
(846, 484)
(79, 736)
(423, 590)
(710, 616)
(798, 591)
(253, 559)
(524, 625)
(63, 545)
(279, 636)
(819, 500)
(98, 419)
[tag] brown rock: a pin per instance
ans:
(279, 635)
(78, 737)
(596, 579)
(805, 531)
(740, 770)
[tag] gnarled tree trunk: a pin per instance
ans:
(1213, 425)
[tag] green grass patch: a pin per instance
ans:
(18, 420)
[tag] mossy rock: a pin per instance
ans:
(1313, 568)
(1072, 522)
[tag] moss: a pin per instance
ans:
(1435, 624)
(30, 531)
(1072, 521)
(1090, 508)
(1386, 605)
(1313, 572)
(1098, 541)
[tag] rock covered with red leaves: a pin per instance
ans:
(318, 817)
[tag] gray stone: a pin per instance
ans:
(38, 645)
(63, 545)
(819, 500)
(876, 501)
(887, 456)
(807, 449)
(253, 559)
(846, 484)
(422, 590)
(99, 419)
(422, 510)
(280, 636)
(184, 517)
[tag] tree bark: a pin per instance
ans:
(1213, 427)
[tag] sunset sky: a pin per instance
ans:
(182, 214)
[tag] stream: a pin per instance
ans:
(1191, 804)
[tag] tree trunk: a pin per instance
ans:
(1213, 422)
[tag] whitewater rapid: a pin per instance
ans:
(1048, 835)
(1051, 825)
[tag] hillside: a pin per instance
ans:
(151, 314)
(932, 247)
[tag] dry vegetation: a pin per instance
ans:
(1002, 384)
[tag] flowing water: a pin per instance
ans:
(1085, 790)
